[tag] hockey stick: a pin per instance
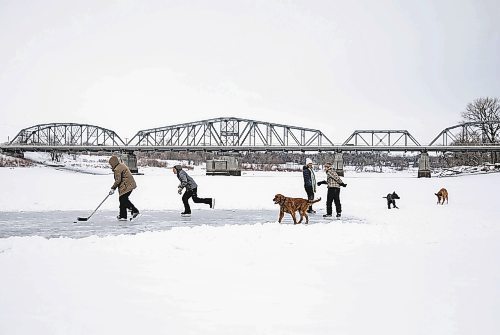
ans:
(87, 218)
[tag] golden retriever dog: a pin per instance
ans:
(442, 196)
(292, 205)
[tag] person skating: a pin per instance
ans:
(191, 190)
(334, 182)
(125, 183)
(309, 182)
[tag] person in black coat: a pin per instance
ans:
(309, 182)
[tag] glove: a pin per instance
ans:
(111, 191)
(319, 183)
(179, 190)
(343, 184)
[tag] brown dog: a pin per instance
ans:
(292, 205)
(442, 196)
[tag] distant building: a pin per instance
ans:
(224, 165)
(292, 166)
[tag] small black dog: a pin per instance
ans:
(391, 199)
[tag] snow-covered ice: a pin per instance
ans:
(51, 224)
(422, 269)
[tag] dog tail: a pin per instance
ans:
(314, 201)
(384, 197)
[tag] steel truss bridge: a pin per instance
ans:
(228, 134)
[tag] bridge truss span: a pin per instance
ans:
(385, 138)
(229, 132)
(67, 134)
(469, 133)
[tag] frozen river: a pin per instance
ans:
(51, 224)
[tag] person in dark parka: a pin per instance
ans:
(191, 190)
(309, 182)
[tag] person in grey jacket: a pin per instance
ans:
(191, 190)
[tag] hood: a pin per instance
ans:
(178, 167)
(114, 161)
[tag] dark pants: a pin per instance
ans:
(310, 196)
(126, 204)
(193, 193)
(333, 195)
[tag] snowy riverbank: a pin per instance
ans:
(422, 269)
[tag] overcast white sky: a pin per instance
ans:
(332, 65)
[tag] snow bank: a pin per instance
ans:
(406, 278)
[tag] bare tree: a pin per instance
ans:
(485, 110)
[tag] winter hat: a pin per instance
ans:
(178, 167)
(308, 161)
(114, 161)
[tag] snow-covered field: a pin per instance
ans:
(422, 269)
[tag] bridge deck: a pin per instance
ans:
(342, 148)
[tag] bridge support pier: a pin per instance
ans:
(424, 166)
(338, 164)
(130, 160)
(56, 156)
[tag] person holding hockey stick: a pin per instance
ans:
(334, 182)
(191, 190)
(125, 183)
